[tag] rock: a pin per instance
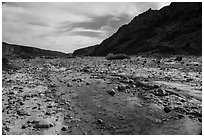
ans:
(195, 113)
(178, 59)
(183, 100)
(99, 121)
(194, 63)
(28, 114)
(121, 87)
(147, 96)
(43, 125)
(47, 113)
(160, 92)
(144, 61)
(111, 92)
(52, 85)
(157, 121)
(200, 120)
(48, 99)
(69, 85)
(86, 69)
(6, 128)
(34, 107)
(11, 93)
(33, 122)
(23, 127)
(49, 106)
(77, 80)
(64, 128)
(167, 109)
(179, 116)
(164, 119)
(88, 83)
(21, 113)
(189, 79)
(121, 117)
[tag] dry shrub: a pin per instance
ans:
(8, 65)
(111, 56)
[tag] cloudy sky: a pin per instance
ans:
(66, 26)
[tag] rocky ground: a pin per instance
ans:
(92, 95)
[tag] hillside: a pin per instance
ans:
(19, 51)
(84, 51)
(174, 29)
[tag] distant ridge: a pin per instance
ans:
(174, 29)
(19, 51)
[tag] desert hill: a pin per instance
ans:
(19, 51)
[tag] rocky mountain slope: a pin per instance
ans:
(18, 51)
(174, 29)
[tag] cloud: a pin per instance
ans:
(107, 20)
(87, 32)
(97, 26)
(66, 26)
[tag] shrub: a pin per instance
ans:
(7, 65)
(111, 56)
(178, 59)
(25, 56)
(5, 61)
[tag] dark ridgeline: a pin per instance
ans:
(174, 29)
(18, 51)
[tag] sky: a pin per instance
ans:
(66, 26)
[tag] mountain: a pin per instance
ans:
(19, 51)
(174, 29)
(84, 51)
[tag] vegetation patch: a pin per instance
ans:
(111, 56)
(7, 65)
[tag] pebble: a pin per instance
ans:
(160, 92)
(121, 87)
(21, 103)
(99, 121)
(47, 113)
(69, 85)
(157, 121)
(34, 107)
(64, 128)
(167, 109)
(183, 100)
(111, 92)
(121, 117)
(179, 116)
(49, 106)
(200, 120)
(43, 125)
(23, 127)
(21, 112)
